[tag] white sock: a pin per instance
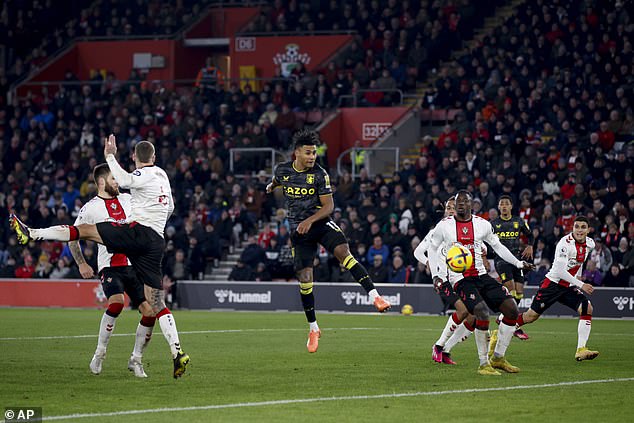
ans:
(168, 327)
(460, 334)
(505, 334)
(143, 337)
(449, 329)
(373, 294)
(313, 326)
(54, 233)
(482, 342)
(105, 331)
(583, 330)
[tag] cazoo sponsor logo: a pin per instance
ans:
(230, 297)
(357, 298)
(623, 302)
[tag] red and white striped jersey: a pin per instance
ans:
(100, 209)
(569, 258)
(471, 235)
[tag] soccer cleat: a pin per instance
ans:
(313, 340)
(381, 304)
(584, 353)
(436, 353)
(502, 364)
(97, 362)
(520, 334)
(135, 366)
(446, 358)
(180, 364)
(487, 370)
(20, 229)
(493, 339)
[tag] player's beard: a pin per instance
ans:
(111, 190)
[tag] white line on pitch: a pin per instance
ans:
(212, 331)
(343, 398)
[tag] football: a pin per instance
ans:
(459, 259)
(407, 310)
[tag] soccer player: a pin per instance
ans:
(509, 228)
(308, 194)
(475, 287)
(115, 271)
(142, 239)
(445, 290)
(562, 285)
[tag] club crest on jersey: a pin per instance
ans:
(310, 179)
(465, 230)
(516, 225)
(113, 206)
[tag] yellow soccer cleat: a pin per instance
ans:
(493, 339)
(313, 340)
(487, 370)
(584, 353)
(20, 229)
(502, 364)
(180, 364)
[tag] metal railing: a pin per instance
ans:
(356, 98)
(374, 162)
(270, 162)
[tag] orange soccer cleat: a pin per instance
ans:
(313, 340)
(381, 304)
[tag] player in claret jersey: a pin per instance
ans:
(562, 285)
(509, 228)
(475, 287)
(142, 240)
(115, 271)
(308, 194)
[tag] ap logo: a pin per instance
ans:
(221, 294)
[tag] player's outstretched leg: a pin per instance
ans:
(504, 336)
(360, 274)
(305, 277)
(143, 336)
(461, 334)
(106, 327)
(583, 332)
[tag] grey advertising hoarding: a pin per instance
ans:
(204, 295)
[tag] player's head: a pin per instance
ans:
(580, 228)
(505, 205)
(450, 207)
(144, 153)
(104, 180)
(305, 147)
(463, 204)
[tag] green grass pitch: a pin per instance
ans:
(239, 359)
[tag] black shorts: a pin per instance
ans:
(550, 292)
(324, 232)
(507, 272)
(448, 294)
(117, 280)
(143, 246)
(475, 289)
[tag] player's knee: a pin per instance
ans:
(585, 308)
(341, 251)
(510, 310)
(306, 288)
(146, 310)
(114, 309)
(480, 311)
(461, 310)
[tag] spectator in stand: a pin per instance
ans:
(616, 277)
(591, 274)
(378, 272)
(241, 272)
(398, 273)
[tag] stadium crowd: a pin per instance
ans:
(545, 117)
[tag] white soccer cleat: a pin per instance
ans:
(97, 362)
(135, 366)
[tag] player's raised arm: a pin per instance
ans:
(124, 178)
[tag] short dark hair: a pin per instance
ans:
(582, 218)
(144, 151)
(463, 192)
(305, 137)
(100, 171)
(505, 197)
